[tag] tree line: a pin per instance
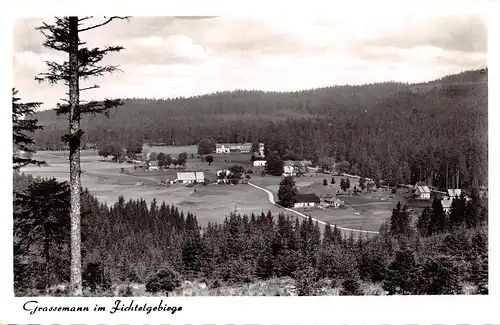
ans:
(132, 241)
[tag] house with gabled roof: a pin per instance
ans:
(423, 192)
(233, 147)
(306, 200)
(190, 177)
(454, 193)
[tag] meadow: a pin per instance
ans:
(212, 203)
(106, 181)
(365, 211)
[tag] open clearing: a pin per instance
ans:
(107, 183)
(364, 212)
(212, 203)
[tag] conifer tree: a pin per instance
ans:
(287, 192)
(325, 183)
(438, 218)
(328, 238)
(333, 180)
(22, 123)
(343, 184)
(41, 219)
(83, 63)
(424, 221)
(192, 249)
(457, 211)
(401, 276)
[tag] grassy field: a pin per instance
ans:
(107, 183)
(366, 211)
(212, 203)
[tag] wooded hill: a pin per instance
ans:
(400, 132)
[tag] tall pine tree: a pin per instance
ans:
(83, 62)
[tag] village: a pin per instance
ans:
(231, 164)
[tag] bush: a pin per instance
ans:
(351, 287)
(249, 171)
(164, 280)
(95, 277)
(306, 281)
(439, 275)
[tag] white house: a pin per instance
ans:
(261, 149)
(289, 170)
(233, 147)
(423, 192)
(224, 172)
(332, 201)
(306, 200)
(446, 203)
(190, 177)
(259, 163)
(151, 165)
(454, 193)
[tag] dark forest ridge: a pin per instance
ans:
(389, 130)
(337, 92)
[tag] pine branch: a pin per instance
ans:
(92, 87)
(92, 107)
(104, 23)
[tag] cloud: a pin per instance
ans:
(191, 55)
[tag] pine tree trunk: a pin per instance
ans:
(74, 161)
(46, 256)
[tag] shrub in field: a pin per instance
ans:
(306, 281)
(164, 280)
(351, 287)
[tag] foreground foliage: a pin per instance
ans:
(161, 246)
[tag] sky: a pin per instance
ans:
(192, 55)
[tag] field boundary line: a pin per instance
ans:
(271, 200)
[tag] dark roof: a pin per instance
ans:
(307, 198)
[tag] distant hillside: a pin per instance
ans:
(233, 104)
(366, 125)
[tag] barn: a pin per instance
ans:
(306, 200)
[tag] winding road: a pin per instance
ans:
(271, 200)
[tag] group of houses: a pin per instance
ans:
(237, 148)
(294, 168)
(423, 192)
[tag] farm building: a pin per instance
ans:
(289, 170)
(332, 201)
(151, 165)
(233, 147)
(190, 177)
(306, 200)
(454, 193)
(259, 163)
(223, 173)
(423, 193)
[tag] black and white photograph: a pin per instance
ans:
(334, 153)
